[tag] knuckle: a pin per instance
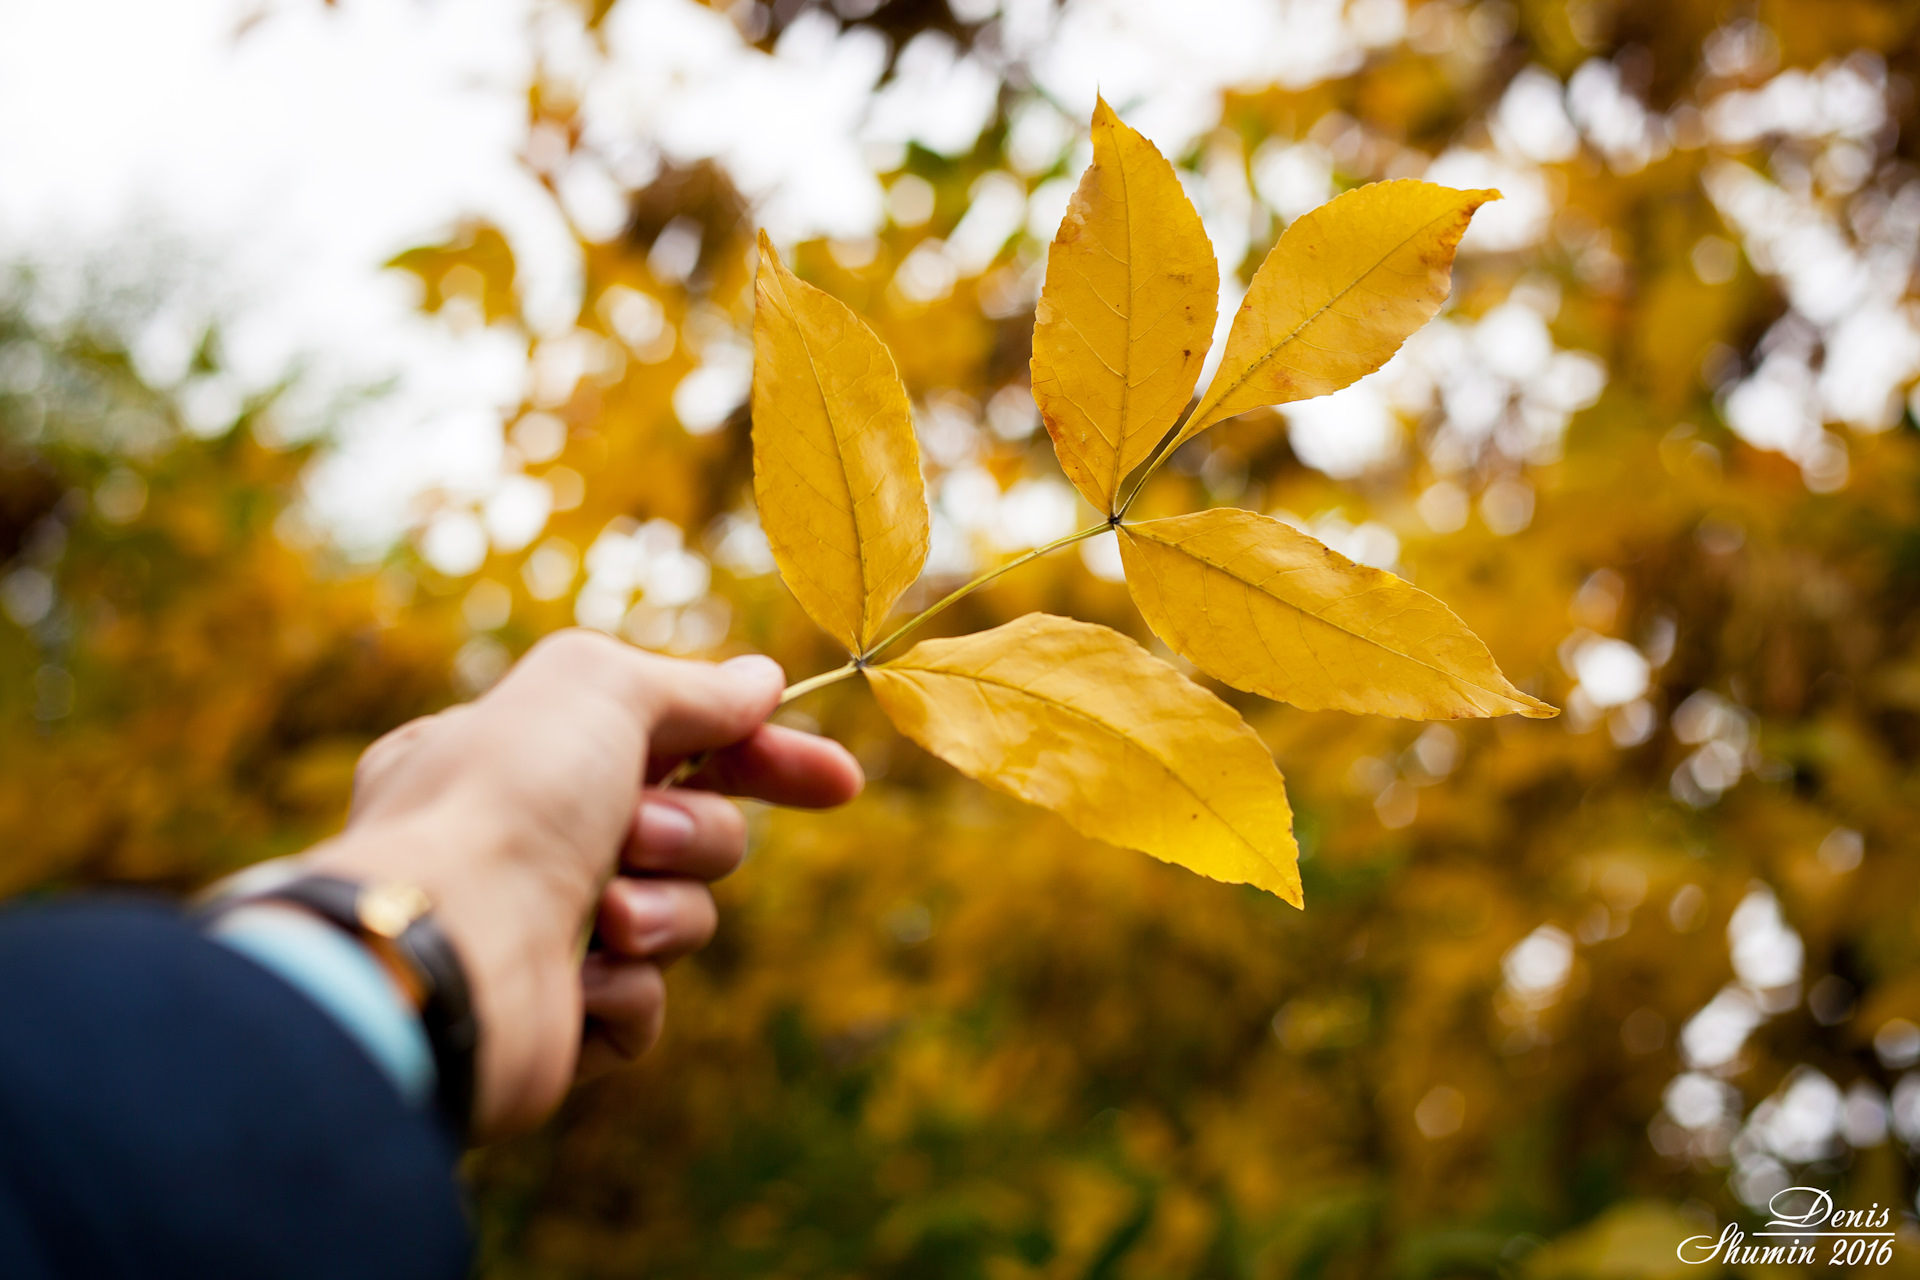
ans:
(368, 766)
(595, 660)
(575, 647)
(384, 750)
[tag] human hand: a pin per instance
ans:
(682, 839)
(513, 812)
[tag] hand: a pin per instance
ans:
(513, 812)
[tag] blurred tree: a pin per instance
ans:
(1564, 992)
(187, 688)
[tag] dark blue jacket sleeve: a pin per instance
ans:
(169, 1108)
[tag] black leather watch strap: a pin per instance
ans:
(398, 918)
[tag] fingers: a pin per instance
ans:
(655, 920)
(644, 925)
(690, 707)
(682, 706)
(699, 706)
(782, 766)
(626, 1007)
(686, 833)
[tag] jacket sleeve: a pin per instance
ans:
(169, 1108)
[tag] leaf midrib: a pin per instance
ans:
(840, 457)
(1126, 377)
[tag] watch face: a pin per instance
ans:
(387, 909)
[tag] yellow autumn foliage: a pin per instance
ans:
(836, 470)
(1081, 720)
(942, 1035)
(1121, 328)
(1341, 289)
(1126, 316)
(1271, 610)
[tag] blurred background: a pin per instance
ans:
(346, 348)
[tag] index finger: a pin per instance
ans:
(781, 766)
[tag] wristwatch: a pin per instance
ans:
(394, 920)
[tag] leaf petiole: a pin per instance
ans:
(968, 589)
(820, 681)
(692, 764)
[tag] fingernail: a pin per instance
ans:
(756, 668)
(651, 917)
(664, 828)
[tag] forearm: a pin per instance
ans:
(169, 1107)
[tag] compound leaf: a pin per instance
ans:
(1081, 720)
(836, 469)
(1266, 608)
(1126, 315)
(1343, 287)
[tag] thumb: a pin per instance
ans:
(698, 706)
(681, 706)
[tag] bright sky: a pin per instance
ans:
(264, 157)
(286, 160)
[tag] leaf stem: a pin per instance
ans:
(961, 593)
(684, 770)
(820, 681)
(693, 763)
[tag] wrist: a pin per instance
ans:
(511, 921)
(366, 947)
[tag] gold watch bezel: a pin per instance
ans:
(388, 908)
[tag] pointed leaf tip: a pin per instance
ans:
(1269, 609)
(1343, 287)
(1126, 313)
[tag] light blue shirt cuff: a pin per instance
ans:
(344, 979)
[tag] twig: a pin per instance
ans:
(979, 582)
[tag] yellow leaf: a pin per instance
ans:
(1268, 609)
(1126, 315)
(1341, 290)
(1081, 720)
(836, 470)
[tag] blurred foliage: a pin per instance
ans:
(940, 1036)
